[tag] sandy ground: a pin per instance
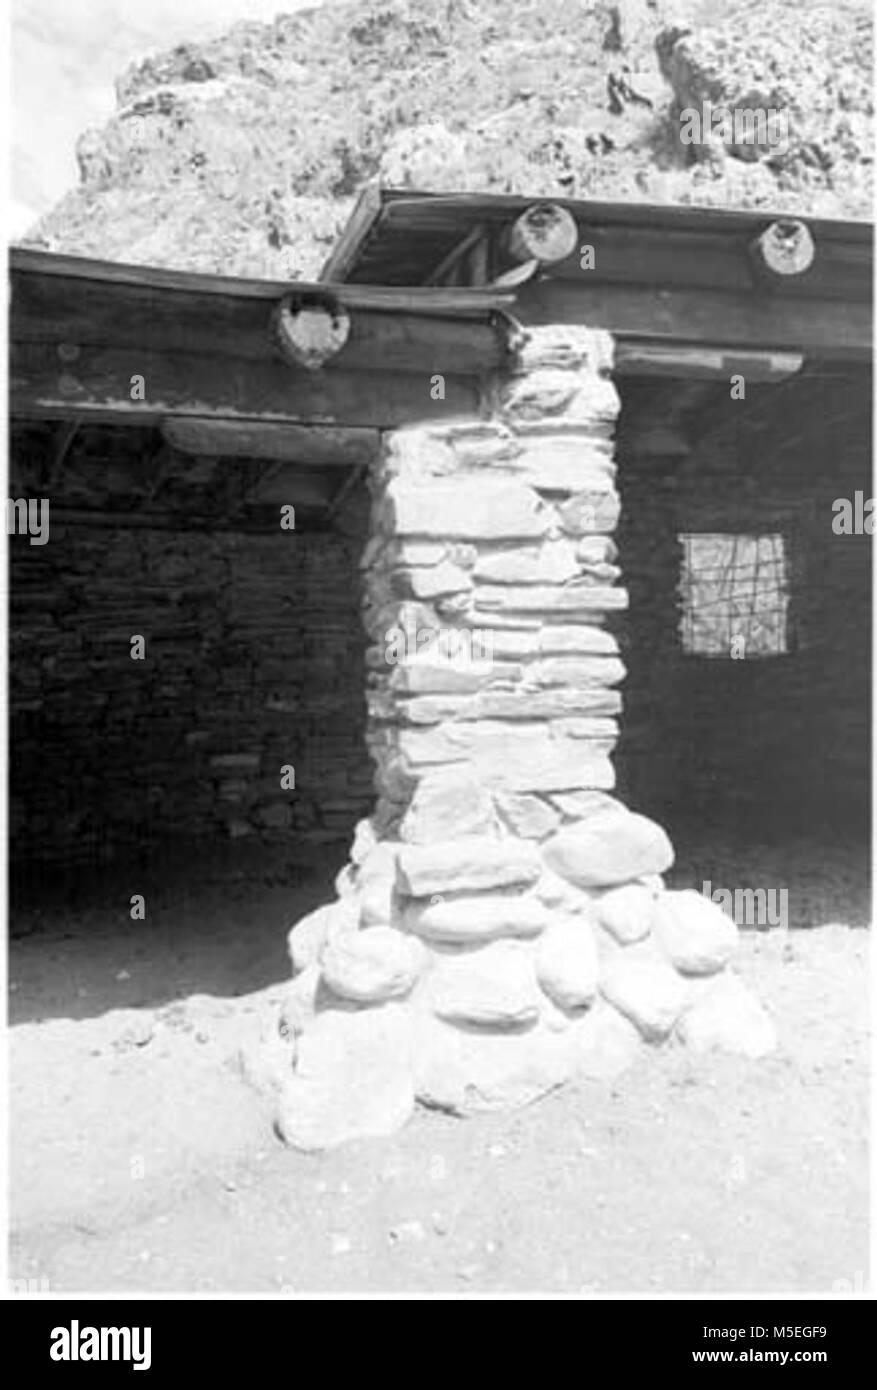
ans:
(141, 1160)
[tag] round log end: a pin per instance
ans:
(786, 247)
(545, 232)
(310, 330)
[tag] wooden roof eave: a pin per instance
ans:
(80, 330)
(667, 274)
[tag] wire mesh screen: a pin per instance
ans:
(735, 595)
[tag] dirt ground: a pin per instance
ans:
(141, 1160)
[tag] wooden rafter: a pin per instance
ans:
(455, 257)
(704, 362)
(311, 446)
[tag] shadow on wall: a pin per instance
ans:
(747, 702)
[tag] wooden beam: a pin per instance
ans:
(98, 386)
(313, 446)
(652, 245)
(773, 322)
(441, 210)
(706, 259)
(478, 267)
(704, 362)
(361, 223)
(71, 312)
(456, 254)
(174, 521)
(431, 301)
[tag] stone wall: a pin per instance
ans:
(777, 741)
(253, 661)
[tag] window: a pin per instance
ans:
(735, 596)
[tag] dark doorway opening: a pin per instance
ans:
(216, 768)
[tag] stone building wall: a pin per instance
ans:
(781, 741)
(254, 660)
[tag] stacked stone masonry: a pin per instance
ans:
(502, 926)
(694, 725)
(253, 663)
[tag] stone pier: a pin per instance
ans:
(502, 926)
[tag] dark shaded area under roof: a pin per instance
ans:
(399, 237)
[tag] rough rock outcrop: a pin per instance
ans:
(242, 155)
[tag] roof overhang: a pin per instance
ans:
(204, 345)
(667, 275)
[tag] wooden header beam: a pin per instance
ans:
(97, 341)
(703, 362)
(668, 317)
(101, 383)
(311, 446)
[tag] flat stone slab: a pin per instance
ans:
(575, 672)
(546, 394)
(530, 817)
(552, 562)
(522, 757)
(489, 509)
(432, 673)
(447, 806)
(579, 596)
(567, 461)
(554, 639)
(474, 862)
(467, 919)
